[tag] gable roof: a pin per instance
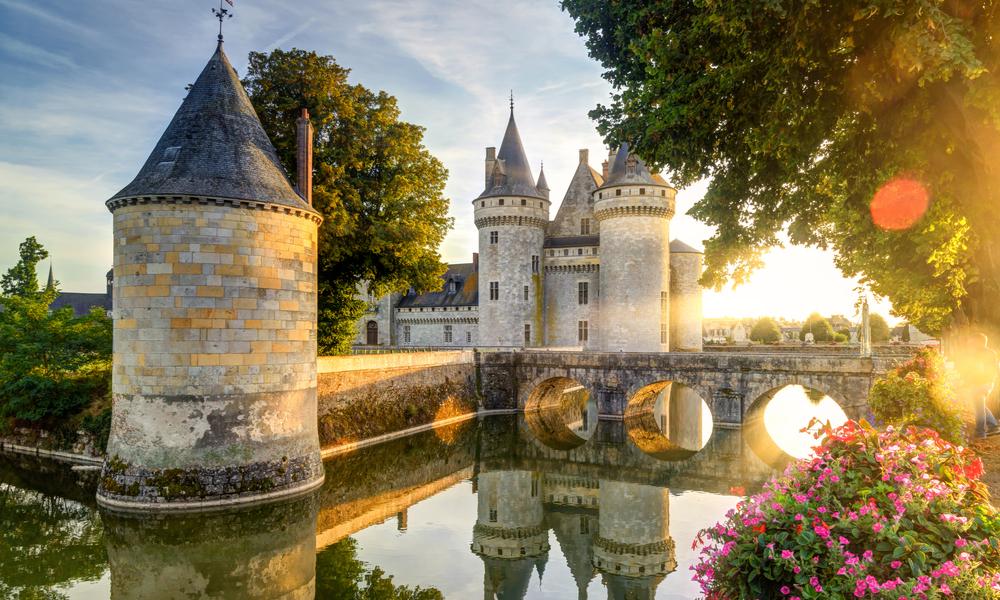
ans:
(467, 278)
(81, 302)
(215, 146)
(578, 203)
(512, 162)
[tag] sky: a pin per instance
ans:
(87, 87)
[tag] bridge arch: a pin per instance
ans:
(668, 420)
(800, 403)
(560, 412)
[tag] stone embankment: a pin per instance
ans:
(361, 397)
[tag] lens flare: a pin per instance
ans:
(899, 203)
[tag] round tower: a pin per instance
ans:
(634, 532)
(685, 298)
(634, 209)
(511, 215)
(214, 377)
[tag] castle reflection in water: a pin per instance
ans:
(604, 503)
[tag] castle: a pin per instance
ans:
(601, 276)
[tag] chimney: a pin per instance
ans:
(604, 170)
(584, 156)
(491, 160)
(304, 156)
(475, 262)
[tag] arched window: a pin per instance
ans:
(372, 331)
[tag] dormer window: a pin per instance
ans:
(630, 165)
(452, 286)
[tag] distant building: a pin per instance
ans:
(727, 330)
(82, 302)
(602, 275)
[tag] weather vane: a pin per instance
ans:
(512, 101)
(222, 13)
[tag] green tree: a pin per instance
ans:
(880, 329)
(378, 188)
(52, 364)
(766, 331)
(820, 328)
(340, 575)
(800, 111)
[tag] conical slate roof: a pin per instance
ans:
(619, 172)
(517, 179)
(679, 247)
(542, 184)
(215, 146)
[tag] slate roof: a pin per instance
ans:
(81, 302)
(215, 146)
(618, 173)
(572, 241)
(467, 294)
(513, 163)
(542, 184)
(679, 247)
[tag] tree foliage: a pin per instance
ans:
(340, 575)
(800, 111)
(52, 364)
(820, 328)
(880, 329)
(378, 188)
(766, 331)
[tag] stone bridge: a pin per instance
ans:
(730, 383)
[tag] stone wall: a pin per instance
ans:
(562, 303)
(362, 396)
(214, 375)
(426, 326)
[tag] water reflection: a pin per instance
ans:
(478, 509)
(562, 413)
(669, 421)
(261, 552)
(776, 422)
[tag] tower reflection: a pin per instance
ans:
(263, 552)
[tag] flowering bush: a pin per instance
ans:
(919, 393)
(894, 514)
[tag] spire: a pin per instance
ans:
(52, 282)
(215, 147)
(542, 185)
(517, 179)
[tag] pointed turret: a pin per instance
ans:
(215, 146)
(542, 186)
(513, 178)
(51, 282)
(627, 169)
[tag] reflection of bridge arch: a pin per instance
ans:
(665, 420)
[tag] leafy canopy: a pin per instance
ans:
(820, 328)
(378, 188)
(799, 111)
(766, 331)
(879, 328)
(52, 364)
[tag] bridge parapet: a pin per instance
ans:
(729, 383)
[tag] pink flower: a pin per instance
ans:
(960, 543)
(785, 590)
(895, 564)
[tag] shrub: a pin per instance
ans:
(766, 331)
(919, 393)
(879, 328)
(820, 328)
(892, 514)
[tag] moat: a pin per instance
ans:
(492, 508)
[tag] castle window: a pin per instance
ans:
(535, 263)
(566, 252)
(494, 290)
(468, 337)
(534, 485)
(493, 515)
(579, 251)
(527, 334)
(482, 204)
(642, 191)
(406, 334)
(501, 202)
(600, 195)
(663, 192)
(524, 202)
(452, 286)
(494, 237)
(583, 292)
(541, 205)
(584, 525)
(618, 192)
(584, 226)
(525, 293)
(581, 331)
(447, 334)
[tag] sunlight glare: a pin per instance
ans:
(899, 203)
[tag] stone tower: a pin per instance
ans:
(685, 298)
(511, 215)
(634, 210)
(214, 379)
